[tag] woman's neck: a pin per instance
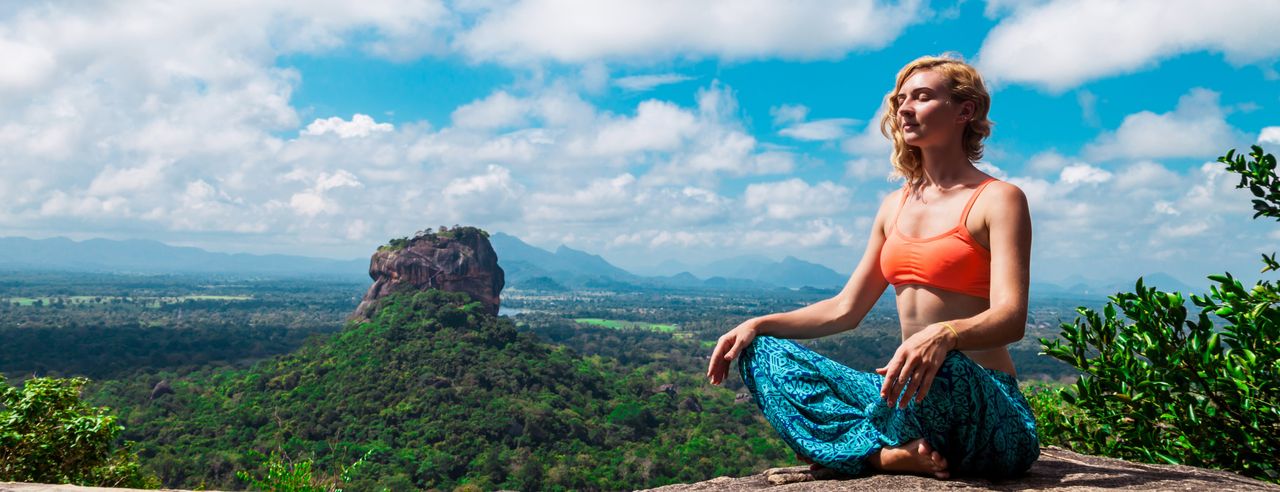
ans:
(946, 166)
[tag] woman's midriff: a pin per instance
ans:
(921, 305)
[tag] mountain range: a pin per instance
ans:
(526, 267)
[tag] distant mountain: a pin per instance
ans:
(573, 268)
(568, 267)
(1079, 285)
(1159, 280)
(745, 266)
(154, 257)
(590, 263)
(794, 272)
(670, 267)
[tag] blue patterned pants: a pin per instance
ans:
(975, 417)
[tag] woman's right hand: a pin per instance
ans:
(730, 345)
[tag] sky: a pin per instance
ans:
(643, 131)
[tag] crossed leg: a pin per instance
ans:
(916, 457)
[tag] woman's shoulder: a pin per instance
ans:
(890, 201)
(1002, 199)
(1004, 192)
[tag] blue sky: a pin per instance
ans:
(642, 131)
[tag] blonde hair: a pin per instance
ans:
(965, 84)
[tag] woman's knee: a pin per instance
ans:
(764, 356)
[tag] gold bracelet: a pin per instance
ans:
(953, 331)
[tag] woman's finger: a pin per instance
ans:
(891, 375)
(912, 385)
(926, 382)
(715, 359)
(738, 345)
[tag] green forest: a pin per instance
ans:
(434, 393)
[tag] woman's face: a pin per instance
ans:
(926, 114)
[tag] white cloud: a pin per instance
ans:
(864, 169)
(814, 233)
(1088, 107)
(488, 198)
(603, 200)
(500, 109)
(991, 169)
(788, 113)
(819, 130)
(113, 181)
(1166, 208)
(310, 203)
(576, 31)
(1064, 43)
(313, 201)
(1047, 162)
(1196, 128)
(1083, 173)
(1146, 175)
(360, 126)
(795, 198)
(25, 67)
(1269, 135)
(870, 142)
(999, 8)
(1182, 230)
(658, 125)
(641, 83)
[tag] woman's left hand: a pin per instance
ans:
(915, 364)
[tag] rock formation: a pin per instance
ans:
(458, 260)
(162, 388)
(1057, 469)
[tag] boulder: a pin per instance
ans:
(1057, 469)
(457, 260)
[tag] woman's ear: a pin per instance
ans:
(966, 111)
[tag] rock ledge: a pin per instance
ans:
(1057, 469)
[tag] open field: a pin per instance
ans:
(153, 302)
(627, 325)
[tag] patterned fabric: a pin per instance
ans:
(975, 417)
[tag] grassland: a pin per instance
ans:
(152, 302)
(627, 325)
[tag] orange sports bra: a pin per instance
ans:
(951, 261)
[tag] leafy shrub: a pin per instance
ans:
(283, 475)
(48, 435)
(1159, 387)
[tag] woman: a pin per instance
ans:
(956, 245)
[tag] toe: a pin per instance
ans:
(939, 461)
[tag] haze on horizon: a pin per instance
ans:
(656, 131)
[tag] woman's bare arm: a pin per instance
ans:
(842, 312)
(847, 309)
(1005, 322)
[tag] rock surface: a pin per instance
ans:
(457, 260)
(1057, 469)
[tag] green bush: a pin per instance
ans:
(48, 435)
(1159, 387)
(283, 475)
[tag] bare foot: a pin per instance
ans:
(916, 457)
(812, 466)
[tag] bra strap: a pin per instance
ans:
(964, 216)
(901, 202)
